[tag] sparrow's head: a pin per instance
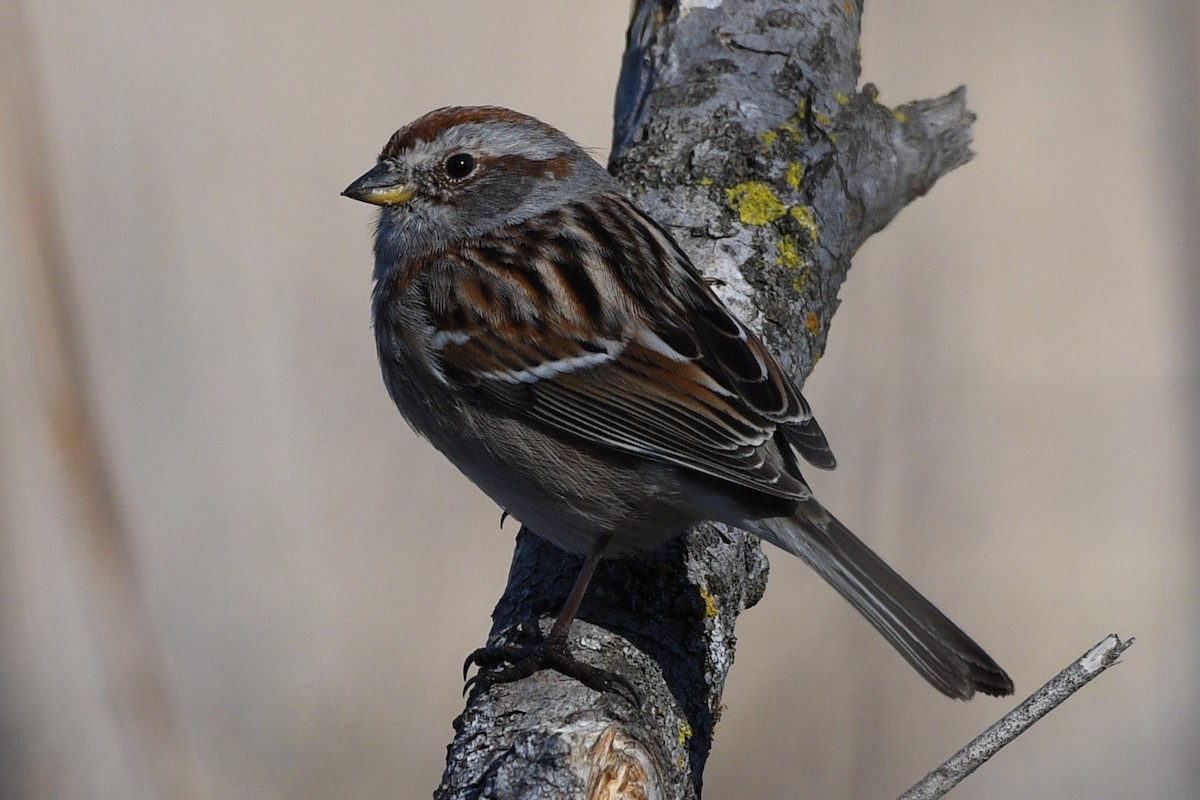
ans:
(459, 172)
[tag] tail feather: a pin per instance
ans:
(927, 639)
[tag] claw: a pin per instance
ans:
(545, 653)
(550, 652)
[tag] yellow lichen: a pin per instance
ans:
(802, 108)
(706, 181)
(788, 254)
(812, 323)
(804, 216)
(767, 139)
(755, 203)
(900, 116)
(795, 173)
(791, 126)
(842, 99)
(685, 733)
(822, 119)
(710, 603)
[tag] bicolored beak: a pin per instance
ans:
(381, 187)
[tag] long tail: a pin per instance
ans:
(934, 645)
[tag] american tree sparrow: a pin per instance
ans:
(559, 347)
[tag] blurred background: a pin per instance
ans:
(1010, 386)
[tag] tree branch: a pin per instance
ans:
(956, 768)
(739, 128)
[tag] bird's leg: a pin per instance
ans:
(550, 651)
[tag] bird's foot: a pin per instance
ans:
(506, 663)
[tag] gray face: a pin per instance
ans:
(458, 173)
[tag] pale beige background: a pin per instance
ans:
(1010, 388)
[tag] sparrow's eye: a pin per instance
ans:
(460, 165)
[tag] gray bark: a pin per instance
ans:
(742, 130)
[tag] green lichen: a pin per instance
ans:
(755, 203)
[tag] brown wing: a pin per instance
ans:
(557, 334)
